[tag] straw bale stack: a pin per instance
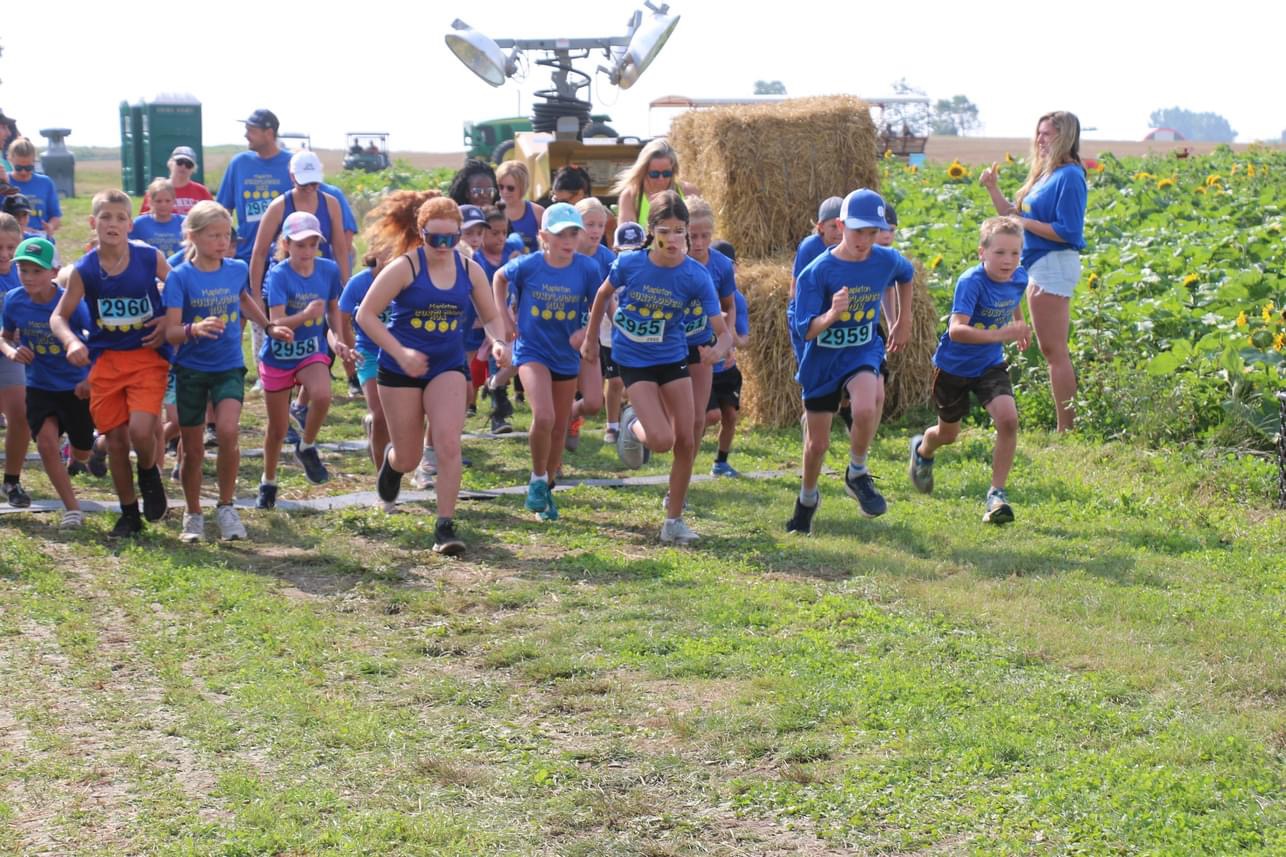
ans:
(765, 168)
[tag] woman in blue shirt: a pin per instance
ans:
(1051, 206)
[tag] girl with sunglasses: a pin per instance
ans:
(423, 368)
(187, 193)
(654, 290)
(656, 169)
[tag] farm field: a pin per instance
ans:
(1103, 676)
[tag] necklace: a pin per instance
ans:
(116, 268)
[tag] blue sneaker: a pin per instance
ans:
(551, 510)
(921, 468)
(723, 468)
(862, 489)
(537, 495)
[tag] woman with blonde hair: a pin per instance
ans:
(1051, 207)
(656, 169)
(513, 181)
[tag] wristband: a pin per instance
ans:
(187, 332)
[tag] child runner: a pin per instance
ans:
(553, 290)
(725, 387)
(161, 228)
(46, 210)
(650, 345)
(13, 377)
(498, 247)
(827, 232)
(472, 233)
(303, 295)
(128, 349)
(594, 216)
(513, 180)
(627, 238)
(837, 307)
(986, 312)
(206, 298)
(423, 368)
(57, 392)
(367, 354)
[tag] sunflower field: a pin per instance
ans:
(1179, 321)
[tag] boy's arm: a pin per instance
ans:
(900, 334)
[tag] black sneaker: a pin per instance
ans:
(292, 437)
(18, 498)
(500, 405)
(389, 482)
(155, 503)
(500, 425)
(128, 525)
(310, 460)
(445, 541)
(75, 468)
(802, 521)
(920, 468)
(97, 463)
(862, 489)
(267, 497)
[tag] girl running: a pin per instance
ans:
(649, 345)
(594, 217)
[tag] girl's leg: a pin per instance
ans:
(379, 425)
(702, 375)
(677, 399)
(443, 400)
(51, 457)
(1004, 413)
(192, 438)
(315, 379)
(590, 384)
(404, 415)
(615, 398)
(564, 398)
(1050, 316)
(17, 437)
(653, 428)
(278, 406)
(227, 420)
(537, 382)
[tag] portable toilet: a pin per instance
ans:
(133, 181)
(170, 120)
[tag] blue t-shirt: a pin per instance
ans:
(854, 341)
(201, 294)
(285, 287)
(604, 256)
(512, 250)
(1058, 200)
(43, 196)
(647, 328)
(346, 211)
(166, 237)
(742, 325)
(10, 280)
(120, 306)
(50, 370)
(990, 306)
(552, 304)
(696, 323)
(249, 186)
(809, 249)
(431, 320)
(351, 299)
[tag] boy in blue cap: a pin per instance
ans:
(837, 309)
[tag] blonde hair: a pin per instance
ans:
(518, 170)
(9, 223)
(22, 147)
(699, 209)
(111, 196)
(591, 204)
(1003, 225)
(633, 177)
(160, 184)
(203, 215)
(1065, 149)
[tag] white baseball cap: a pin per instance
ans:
(300, 225)
(306, 167)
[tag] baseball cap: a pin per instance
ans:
(16, 204)
(262, 118)
(306, 167)
(300, 225)
(864, 209)
(829, 209)
(183, 152)
(560, 216)
(629, 236)
(472, 216)
(38, 251)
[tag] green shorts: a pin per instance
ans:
(194, 389)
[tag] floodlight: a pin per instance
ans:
(481, 54)
(646, 41)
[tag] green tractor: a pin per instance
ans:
(493, 139)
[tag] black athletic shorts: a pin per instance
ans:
(694, 351)
(65, 406)
(388, 378)
(829, 403)
(660, 375)
(951, 392)
(605, 362)
(726, 389)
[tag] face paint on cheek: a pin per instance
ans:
(661, 244)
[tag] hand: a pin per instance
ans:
(990, 178)
(280, 332)
(156, 336)
(577, 339)
(315, 310)
(414, 363)
(359, 359)
(1016, 331)
(839, 302)
(78, 354)
(82, 389)
(24, 355)
(208, 328)
(900, 335)
(502, 354)
(343, 352)
(589, 349)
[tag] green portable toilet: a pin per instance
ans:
(132, 173)
(168, 121)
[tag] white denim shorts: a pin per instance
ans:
(1056, 273)
(12, 374)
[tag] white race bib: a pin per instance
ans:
(845, 337)
(640, 330)
(294, 351)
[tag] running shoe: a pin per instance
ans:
(422, 478)
(76, 468)
(500, 405)
(610, 436)
(802, 521)
(97, 463)
(723, 468)
(921, 468)
(389, 482)
(128, 525)
(18, 498)
(310, 460)
(628, 447)
(354, 388)
(998, 510)
(445, 541)
(573, 434)
(676, 532)
(155, 503)
(72, 519)
(211, 439)
(230, 527)
(551, 510)
(537, 495)
(862, 489)
(193, 528)
(267, 497)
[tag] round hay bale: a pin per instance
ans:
(909, 384)
(769, 394)
(765, 168)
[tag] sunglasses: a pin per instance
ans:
(660, 174)
(179, 162)
(509, 187)
(441, 240)
(482, 191)
(24, 168)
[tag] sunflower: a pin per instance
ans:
(957, 170)
(1143, 176)
(1213, 179)
(1009, 159)
(888, 154)
(1165, 183)
(1232, 171)
(935, 262)
(1099, 167)
(1092, 282)
(1279, 342)
(1191, 280)
(1250, 171)
(912, 168)
(1241, 319)
(1266, 313)
(1201, 189)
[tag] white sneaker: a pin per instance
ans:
(230, 526)
(677, 532)
(193, 528)
(428, 468)
(72, 519)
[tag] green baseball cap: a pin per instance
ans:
(36, 250)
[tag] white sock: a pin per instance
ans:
(614, 426)
(538, 477)
(264, 480)
(303, 444)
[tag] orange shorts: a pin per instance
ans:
(122, 382)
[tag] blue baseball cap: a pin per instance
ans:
(864, 209)
(472, 215)
(560, 216)
(264, 119)
(629, 236)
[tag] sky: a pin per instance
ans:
(378, 65)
